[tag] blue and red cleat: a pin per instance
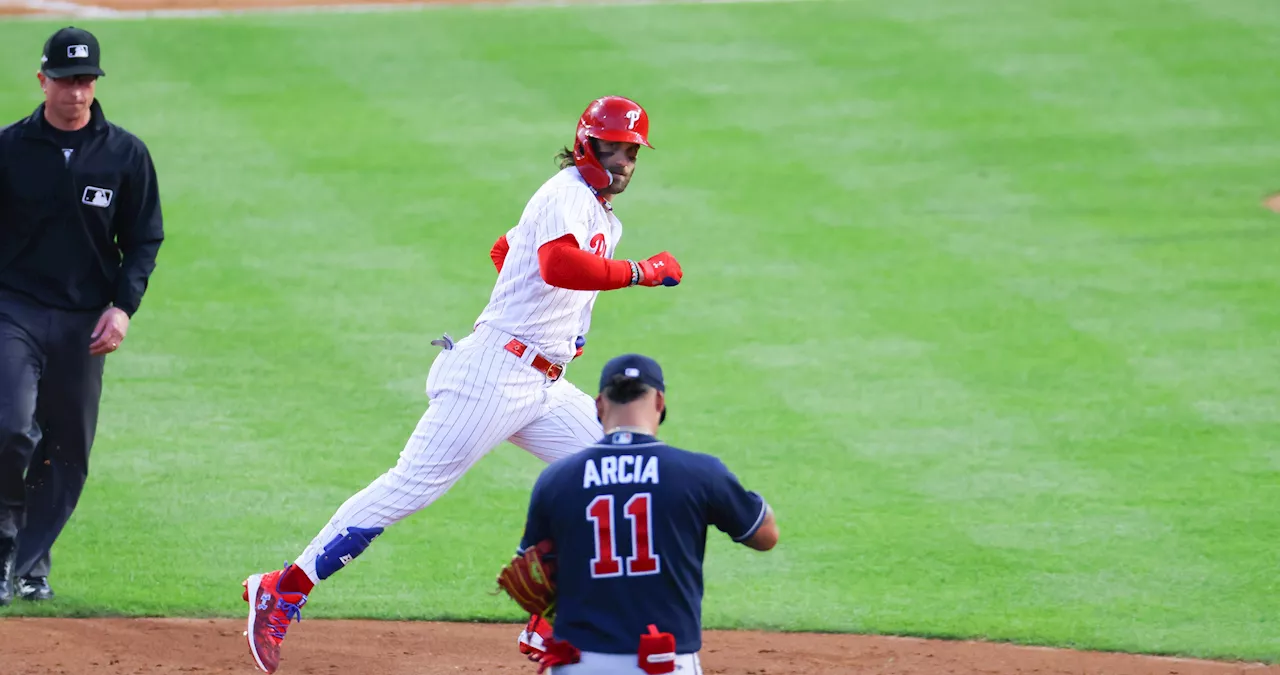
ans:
(270, 612)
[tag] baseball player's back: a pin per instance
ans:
(628, 518)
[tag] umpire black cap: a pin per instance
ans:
(71, 51)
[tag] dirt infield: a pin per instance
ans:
(215, 647)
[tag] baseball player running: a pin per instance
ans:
(504, 381)
(613, 546)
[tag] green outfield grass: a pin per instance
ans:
(978, 293)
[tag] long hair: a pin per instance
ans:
(565, 157)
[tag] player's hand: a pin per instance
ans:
(110, 331)
(660, 270)
(579, 344)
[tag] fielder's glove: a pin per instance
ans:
(530, 580)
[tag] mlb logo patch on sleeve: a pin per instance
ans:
(78, 51)
(96, 196)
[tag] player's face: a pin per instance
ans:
(68, 98)
(618, 159)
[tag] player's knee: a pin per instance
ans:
(343, 549)
(17, 433)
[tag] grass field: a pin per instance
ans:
(978, 293)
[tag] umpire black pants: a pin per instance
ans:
(50, 387)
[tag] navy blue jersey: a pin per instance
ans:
(629, 519)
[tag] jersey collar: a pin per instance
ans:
(628, 438)
(34, 125)
(608, 205)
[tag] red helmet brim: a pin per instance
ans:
(619, 136)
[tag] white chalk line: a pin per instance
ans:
(66, 8)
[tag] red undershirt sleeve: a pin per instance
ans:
(499, 252)
(564, 265)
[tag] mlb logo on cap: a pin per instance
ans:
(635, 366)
(71, 52)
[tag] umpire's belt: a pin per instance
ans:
(539, 362)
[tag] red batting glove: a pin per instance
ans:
(660, 270)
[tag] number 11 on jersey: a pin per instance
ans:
(642, 561)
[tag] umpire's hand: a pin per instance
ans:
(109, 332)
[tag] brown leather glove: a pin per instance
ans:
(530, 580)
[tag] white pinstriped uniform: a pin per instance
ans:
(522, 303)
(481, 394)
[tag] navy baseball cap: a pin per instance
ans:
(71, 51)
(634, 366)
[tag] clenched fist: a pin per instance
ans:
(660, 270)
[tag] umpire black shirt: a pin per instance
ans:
(80, 221)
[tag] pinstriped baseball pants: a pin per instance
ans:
(479, 396)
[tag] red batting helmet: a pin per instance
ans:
(611, 118)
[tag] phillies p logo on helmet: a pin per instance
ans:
(610, 118)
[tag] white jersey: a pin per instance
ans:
(548, 318)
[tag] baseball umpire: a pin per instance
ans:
(611, 558)
(80, 227)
